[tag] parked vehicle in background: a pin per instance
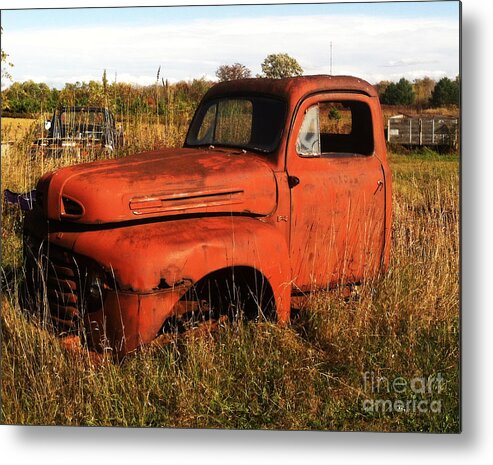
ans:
(282, 187)
(79, 132)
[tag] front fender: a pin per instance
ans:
(146, 257)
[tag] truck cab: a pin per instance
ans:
(282, 187)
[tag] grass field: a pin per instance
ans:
(15, 129)
(332, 368)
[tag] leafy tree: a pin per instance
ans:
(96, 94)
(381, 87)
(457, 83)
(400, 93)
(5, 64)
(232, 72)
(82, 94)
(29, 97)
(121, 93)
(423, 89)
(446, 92)
(13, 97)
(181, 98)
(334, 114)
(280, 65)
(53, 100)
(68, 95)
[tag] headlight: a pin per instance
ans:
(95, 289)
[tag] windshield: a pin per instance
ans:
(246, 122)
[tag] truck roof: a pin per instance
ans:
(294, 88)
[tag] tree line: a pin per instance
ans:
(30, 97)
(182, 97)
(423, 92)
(160, 98)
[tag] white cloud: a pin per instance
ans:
(409, 62)
(364, 46)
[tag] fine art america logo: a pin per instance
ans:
(415, 395)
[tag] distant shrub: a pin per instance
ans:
(400, 93)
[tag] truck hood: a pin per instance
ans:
(165, 182)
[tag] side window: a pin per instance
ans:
(308, 143)
(342, 128)
(335, 118)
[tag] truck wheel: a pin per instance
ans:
(239, 294)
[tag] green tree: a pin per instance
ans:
(232, 72)
(13, 98)
(446, 92)
(5, 64)
(96, 94)
(54, 99)
(457, 88)
(280, 65)
(29, 97)
(82, 94)
(423, 89)
(400, 93)
(381, 87)
(69, 94)
(5, 75)
(122, 95)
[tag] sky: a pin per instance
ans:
(374, 41)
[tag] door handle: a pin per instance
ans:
(293, 181)
(379, 186)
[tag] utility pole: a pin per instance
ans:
(331, 58)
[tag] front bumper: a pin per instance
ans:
(119, 321)
(128, 320)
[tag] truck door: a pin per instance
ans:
(337, 191)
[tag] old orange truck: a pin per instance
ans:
(282, 187)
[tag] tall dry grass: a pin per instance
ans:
(309, 375)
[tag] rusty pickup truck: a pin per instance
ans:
(282, 187)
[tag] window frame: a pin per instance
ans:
(250, 96)
(336, 97)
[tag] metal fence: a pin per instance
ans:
(433, 131)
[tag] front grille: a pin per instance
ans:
(59, 278)
(39, 198)
(62, 279)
